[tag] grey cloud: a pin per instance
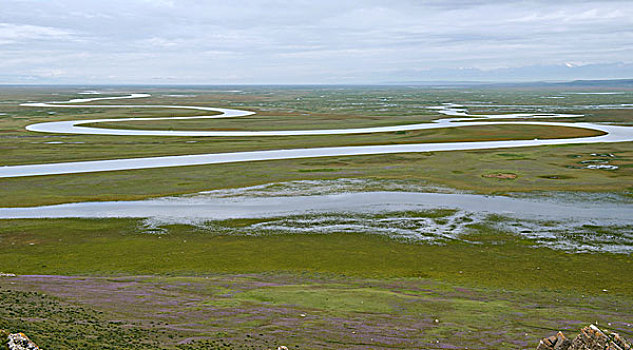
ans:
(279, 41)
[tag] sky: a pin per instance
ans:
(312, 42)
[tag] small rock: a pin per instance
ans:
(19, 341)
(555, 342)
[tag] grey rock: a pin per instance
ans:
(555, 342)
(19, 341)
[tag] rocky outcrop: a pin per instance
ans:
(590, 338)
(17, 341)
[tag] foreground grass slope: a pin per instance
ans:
(307, 311)
(112, 284)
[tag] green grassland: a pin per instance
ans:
(117, 246)
(206, 288)
(538, 169)
(309, 291)
(22, 147)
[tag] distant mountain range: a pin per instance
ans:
(604, 83)
(623, 83)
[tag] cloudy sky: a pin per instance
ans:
(312, 41)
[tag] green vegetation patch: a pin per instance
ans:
(489, 258)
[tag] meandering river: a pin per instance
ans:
(460, 118)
